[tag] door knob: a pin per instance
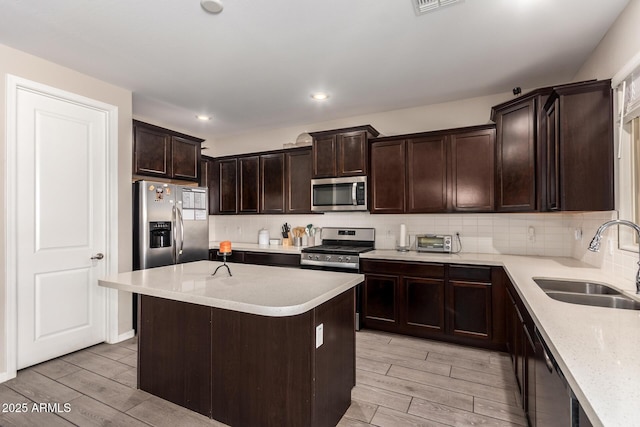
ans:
(98, 256)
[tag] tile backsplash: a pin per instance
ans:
(545, 234)
(620, 264)
(564, 234)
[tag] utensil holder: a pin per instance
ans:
(297, 241)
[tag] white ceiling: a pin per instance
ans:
(255, 65)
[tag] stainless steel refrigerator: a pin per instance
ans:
(170, 224)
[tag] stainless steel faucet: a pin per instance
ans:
(594, 246)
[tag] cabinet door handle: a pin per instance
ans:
(98, 256)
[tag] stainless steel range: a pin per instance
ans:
(340, 249)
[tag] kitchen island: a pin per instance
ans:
(268, 346)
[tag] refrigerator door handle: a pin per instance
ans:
(174, 234)
(181, 230)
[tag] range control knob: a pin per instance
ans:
(309, 256)
(328, 258)
(347, 259)
(339, 259)
(317, 257)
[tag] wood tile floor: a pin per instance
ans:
(401, 381)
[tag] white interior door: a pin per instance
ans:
(61, 217)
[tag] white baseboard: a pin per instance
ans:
(6, 376)
(123, 337)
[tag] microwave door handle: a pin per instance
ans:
(354, 194)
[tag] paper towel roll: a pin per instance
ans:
(403, 236)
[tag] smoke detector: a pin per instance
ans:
(212, 6)
(425, 6)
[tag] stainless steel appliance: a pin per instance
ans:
(434, 243)
(170, 224)
(340, 251)
(555, 403)
(339, 194)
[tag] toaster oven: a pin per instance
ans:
(433, 243)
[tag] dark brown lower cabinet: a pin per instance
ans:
(522, 349)
(529, 393)
(424, 301)
(470, 309)
(462, 304)
(249, 370)
(258, 258)
(379, 300)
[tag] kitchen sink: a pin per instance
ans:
(586, 293)
(575, 286)
(598, 300)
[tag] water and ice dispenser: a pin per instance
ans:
(159, 234)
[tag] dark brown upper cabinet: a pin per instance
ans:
(579, 142)
(427, 186)
(249, 184)
(554, 149)
(472, 170)
(164, 153)
(226, 177)
(298, 180)
(520, 150)
(207, 173)
(442, 171)
(272, 183)
(341, 152)
(387, 178)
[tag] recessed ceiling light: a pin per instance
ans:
(203, 117)
(319, 96)
(212, 6)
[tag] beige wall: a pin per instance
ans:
(36, 69)
(619, 45)
(467, 112)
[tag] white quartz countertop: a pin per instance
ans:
(254, 247)
(267, 291)
(597, 349)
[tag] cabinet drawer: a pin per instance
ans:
(273, 259)
(465, 272)
(435, 271)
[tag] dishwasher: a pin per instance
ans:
(556, 405)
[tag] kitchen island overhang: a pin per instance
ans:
(268, 346)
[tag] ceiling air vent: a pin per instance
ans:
(424, 6)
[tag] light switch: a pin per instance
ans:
(319, 335)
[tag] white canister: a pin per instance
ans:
(263, 237)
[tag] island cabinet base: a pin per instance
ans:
(245, 369)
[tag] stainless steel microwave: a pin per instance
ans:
(339, 194)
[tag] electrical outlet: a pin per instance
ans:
(239, 230)
(319, 335)
(577, 234)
